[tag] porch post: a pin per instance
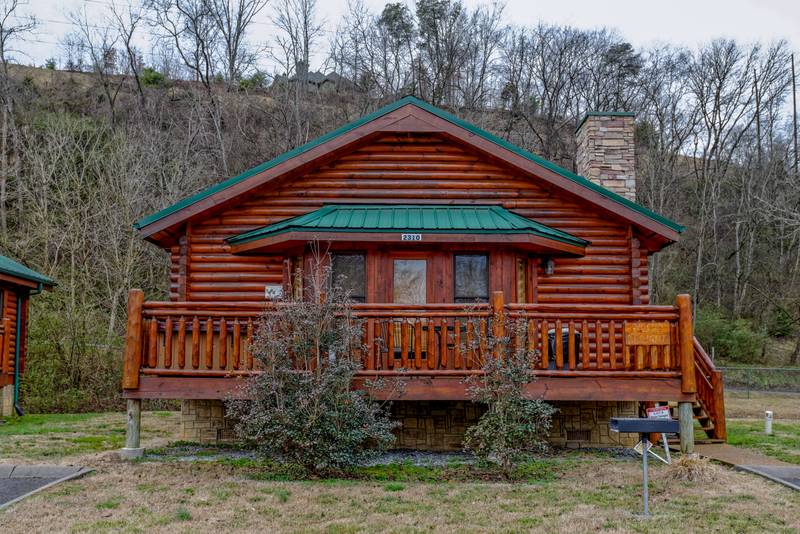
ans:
(132, 444)
(686, 422)
(498, 320)
(133, 341)
(686, 343)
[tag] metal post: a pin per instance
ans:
(645, 490)
(686, 421)
(666, 448)
(132, 444)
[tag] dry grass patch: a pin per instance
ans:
(741, 405)
(692, 468)
(596, 492)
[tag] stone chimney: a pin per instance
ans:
(606, 151)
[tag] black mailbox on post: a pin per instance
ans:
(644, 426)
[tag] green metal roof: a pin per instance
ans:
(13, 268)
(388, 109)
(443, 219)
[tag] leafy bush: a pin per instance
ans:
(733, 339)
(513, 427)
(255, 81)
(780, 323)
(301, 408)
(151, 77)
(73, 363)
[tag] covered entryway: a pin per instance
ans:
(416, 254)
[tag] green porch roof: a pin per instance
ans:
(443, 219)
(388, 109)
(13, 268)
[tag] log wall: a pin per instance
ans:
(413, 168)
(8, 319)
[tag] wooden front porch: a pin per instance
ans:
(197, 350)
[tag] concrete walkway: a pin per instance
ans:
(753, 462)
(20, 481)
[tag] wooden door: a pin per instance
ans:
(409, 281)
(411, 284)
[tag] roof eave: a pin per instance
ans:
(148, 226)
(295, 237)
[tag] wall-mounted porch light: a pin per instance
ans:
(549, 266)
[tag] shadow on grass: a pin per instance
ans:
(538, 470)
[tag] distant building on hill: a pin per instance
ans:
(331, 82)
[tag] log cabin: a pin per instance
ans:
(433, 222)
(17, 284)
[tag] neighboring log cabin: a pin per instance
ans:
(426, 215)
(17, 284)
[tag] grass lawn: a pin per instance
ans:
(745, 414)
(569, 492)
(49, 437)
(784, 444)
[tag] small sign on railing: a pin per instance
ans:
(273, 292)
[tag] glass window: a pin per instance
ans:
(409, 282)
(349, 272)
(471, 274)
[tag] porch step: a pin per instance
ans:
(700, 415)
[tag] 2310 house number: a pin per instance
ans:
(410, 237)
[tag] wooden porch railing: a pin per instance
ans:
(710, 391)
(212, 339)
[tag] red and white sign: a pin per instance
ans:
(659, 412)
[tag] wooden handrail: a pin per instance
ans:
(213, 339)
(710, 390)
(185, 338)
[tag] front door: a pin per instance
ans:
(410, 280)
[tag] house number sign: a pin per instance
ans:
(410, 237)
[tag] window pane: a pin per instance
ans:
(349, 272)
(471, 277)
(409, 282)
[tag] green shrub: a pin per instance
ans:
(255, 81)
(72, 364)
(151, 77)
(303, 410)
(780, 323)
(513, 427)
(733, 339)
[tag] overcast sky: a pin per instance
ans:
(642, 22)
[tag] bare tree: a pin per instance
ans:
(13, 27)
(485, 35)
(126, 22)
(99, 45)
(233, 19)
(298, 31)
(190, 27)
(443, 44)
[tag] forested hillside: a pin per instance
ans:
(106, 133)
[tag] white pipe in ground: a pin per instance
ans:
(768, 422)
